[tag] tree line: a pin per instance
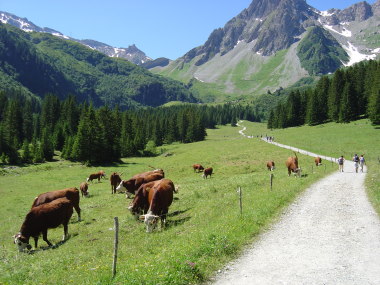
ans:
(31, 131)
(343, 97)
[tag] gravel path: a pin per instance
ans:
(330, 235)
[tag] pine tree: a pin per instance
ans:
(348, 104)
(374, 107)
(334, 95)
(46, 145)
(26, 156)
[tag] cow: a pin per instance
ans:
(84, 189)
(71, 194)
(318, 161)
(41, 218)
(154, 197)
(198, 168)
(292, 165)
(97, 175)
(207, 172)
(115, 180)
(132, 185)
(270, 165)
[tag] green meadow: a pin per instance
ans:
(334, 140)
(205, 227)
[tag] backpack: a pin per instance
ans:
(340, 160)
(356, 158)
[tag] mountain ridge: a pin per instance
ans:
(131, 53)
(268, 27)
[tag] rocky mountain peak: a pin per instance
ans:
(357, 12)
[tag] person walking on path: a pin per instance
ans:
(341, 163)
(355, 159)
(361, 162)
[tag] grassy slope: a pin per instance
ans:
(205, 228)
(334, 140)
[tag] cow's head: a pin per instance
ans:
(297, 172)
(22, 242)
(150, 221)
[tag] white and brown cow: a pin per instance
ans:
(71, 194)
(270, 165)
(132, 185)
(115, 180)
(41, 218)
(207, 172)
(84, 189)
(318, 161)
(155, 198)
(292, 165)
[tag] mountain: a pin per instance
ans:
(131, 53)
(276, 43)
(35, 64)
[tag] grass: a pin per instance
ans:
(334, 140)
(205, 229)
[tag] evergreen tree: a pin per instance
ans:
(334, 95)
(374, 107)
(46, 145)
(348, 104)
(26, 156)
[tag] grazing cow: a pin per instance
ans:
(132, 185)
(97, 175)
(198, 168)
(40, 219)
(318, 161)
(115, 180)
(270, 165)
(71, 194)
(155, 198)
(207, 172)
(84, 189)
(292, 165)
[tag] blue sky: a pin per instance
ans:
(167, 28)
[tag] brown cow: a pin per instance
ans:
(132, 185)
(70, 193)
(84, 189)
(292, 165)
(318, 161)
(158, 195)
(270, 165)
(207, 172)
(115, 180)
(198, 168)
(44, 217)
(97, 175)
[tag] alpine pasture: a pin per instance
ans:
(205, 228)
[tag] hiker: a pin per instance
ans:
(361, 162)
(340, 163)
(355, 159)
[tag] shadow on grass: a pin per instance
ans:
(174, 223)
(54, 246)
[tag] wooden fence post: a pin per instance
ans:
(116, 245)
(240, 201)
(271, 181)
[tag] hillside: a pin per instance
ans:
(40, 63)
(277, 43)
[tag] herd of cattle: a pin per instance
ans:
(153, 195)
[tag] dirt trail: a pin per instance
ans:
(329, 235)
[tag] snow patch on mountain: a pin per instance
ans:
(345, 33)
(355, 55)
